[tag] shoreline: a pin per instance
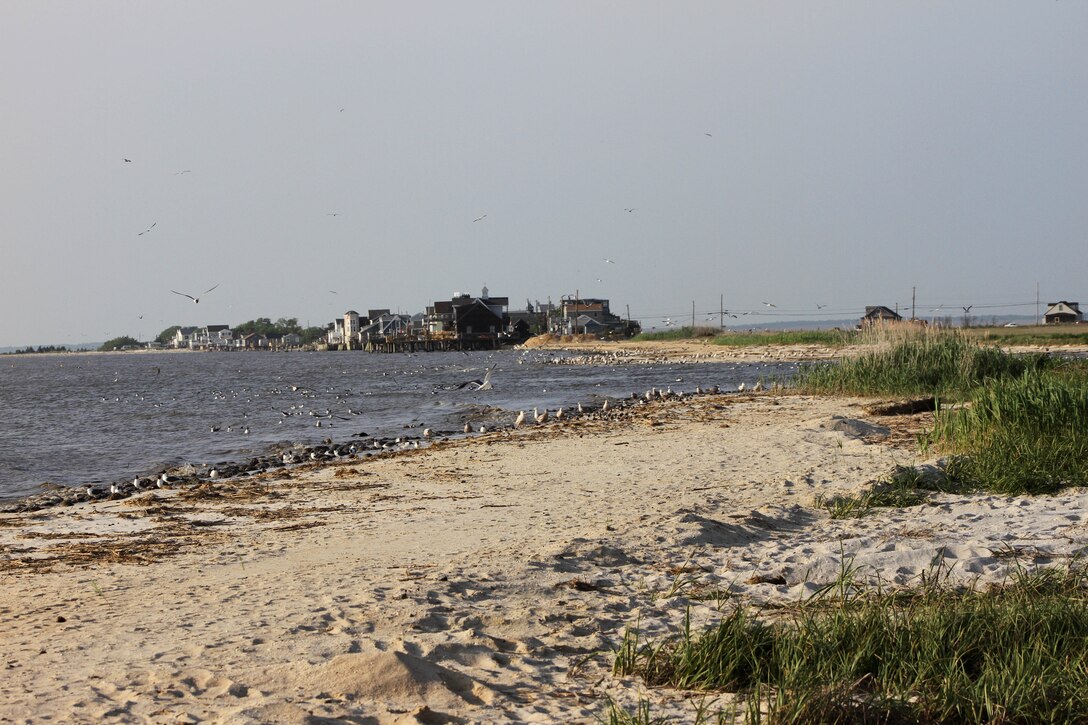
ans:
(482, 579)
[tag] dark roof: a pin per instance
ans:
(462, 311)
(880, 311)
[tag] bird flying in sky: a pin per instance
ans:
(194, 299)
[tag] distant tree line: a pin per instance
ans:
(120, 343)
(40, 348)
(283, 326)
(261, 326)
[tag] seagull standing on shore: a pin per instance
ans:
(194, 299)
(520, 419)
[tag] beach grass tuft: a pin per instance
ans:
(904, 486)
(1024, 435)
(1017, 653)
(947, 365)
(1021, 426)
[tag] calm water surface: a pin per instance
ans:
(78, 419)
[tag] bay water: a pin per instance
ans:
(77, 419)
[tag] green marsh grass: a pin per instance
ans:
(829, 338)
(715, 336)
(1023, 425)
(681, 333)
(1022, 435)
(1014, 654)
(944, 365)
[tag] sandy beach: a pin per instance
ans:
(482, 580)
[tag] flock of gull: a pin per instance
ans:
(335, 404)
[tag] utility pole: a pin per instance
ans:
(721, 313)
(693, 317)
(1038, 320)
(912, 297)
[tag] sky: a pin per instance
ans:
(314, 157)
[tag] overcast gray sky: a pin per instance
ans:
(805, 154)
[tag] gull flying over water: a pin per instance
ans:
(145, 231)
(194, 299)
(484, 384)
(479, 218)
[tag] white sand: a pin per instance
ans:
(482, 581)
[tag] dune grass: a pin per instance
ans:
(905, 486)
(945, 365)
(1022, 427)
(1015, 654)
(1021, 435)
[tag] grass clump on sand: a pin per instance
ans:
(906, 486)
(945, 365)
(1023, 435)
(1015, 654)
(1023, 425)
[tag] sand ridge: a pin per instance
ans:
(483, 580)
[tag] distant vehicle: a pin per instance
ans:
(1011, 324)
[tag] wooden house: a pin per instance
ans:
(1063, 313)
(476, 320)
(879, 315)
